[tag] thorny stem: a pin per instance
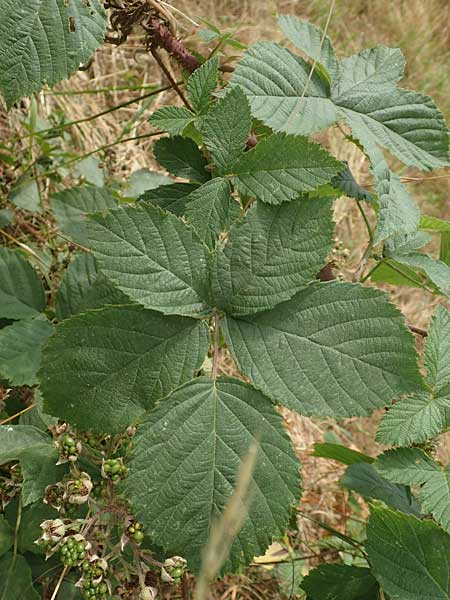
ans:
(167, 73)
(216, 345)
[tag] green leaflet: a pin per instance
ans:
(281, 166)
(437, 271)
(281, 95)
(434, 225)
(6, 536)
(188, 451)
(117, 362)
(171, 197)
(16, 579)
(25, 194)
(20, 350)
(364, 479)
(308, 38)
(437, 348)
(181, 157)
(45, 41)
(409, 558)
(412, 466)
(37, 455)
(324, 352)
(83, 287)
(271, 254)
(153, 257)
(346, 182)
(341, 582)
(22, 294)
(202, 84)
(71, 206)
(415, 419)
(211, 209)
(142, 180)
(172, 119)
(226, 128)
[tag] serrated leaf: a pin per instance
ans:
(391, 272)
(281, 92)
(202, 84)
(153, 257)
(413, 467)
(21, 348)
(437, 348)
(281, 166)
(271, 254)
(406, 243)
(22, 294)
(398, 213)
(189, 450)
(211, 209)
(365, 480)
(409, 558)
(171, 197)
(37, 455)
(310, 39)
(181, 157)
(341, 454)
(414, 419)
(83, 287)
(15, 579)
(346, 182)
(25, 194)
(142, 180)
(45, 41)
(172, 119)
(341, 582)
(117, 362)
(437, 271)
(226, 128)
(334, 349)
(371, 71)
(71, 206)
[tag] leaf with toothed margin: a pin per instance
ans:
(172, 119)
(341, 582)
(334, 349)
(189, 450)
(117, 362)
(181, 157)
(437, 348)
(152, 257)
(271, 254)
(171, 197)
(281, 167)
(202, 84)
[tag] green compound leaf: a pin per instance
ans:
(282, 166)
(181, 157)
(281, 92)
(16, 579)
(22, 294)
(364, 479)
(45, 41)
(21, 348)
(341, 582)
(309, 39)
(211, 209)
(188, 452)
(71, 207)
(171, 197)
(412, 466)
(202, 84)
(437, 348)
(226, 128)
(37, 455)
(271, 254)
(153, 257)
(415, 419)
(409, 558)
(173, 119)
(117, 362)
(83, 287)
(334, 349)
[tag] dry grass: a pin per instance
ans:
(421, 28)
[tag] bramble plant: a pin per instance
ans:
(133, 446)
